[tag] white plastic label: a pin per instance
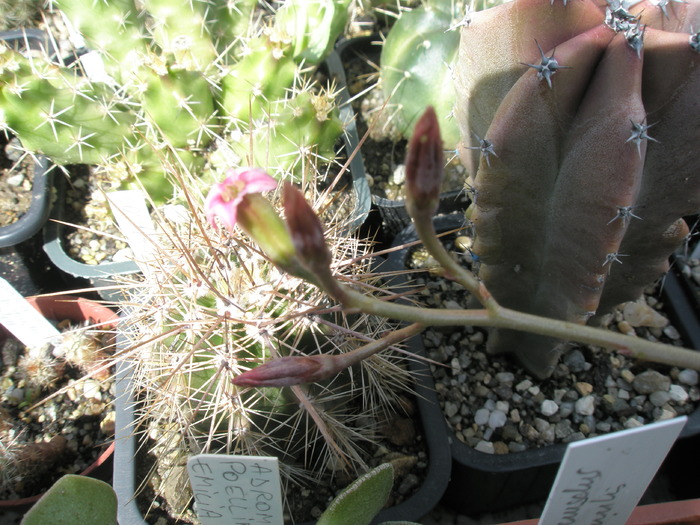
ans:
(601, 479)
(134, 220)
(236, 490)
(22, 320)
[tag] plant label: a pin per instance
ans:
(236, 490)
(601, 479)
(22, 320)
(134, 220)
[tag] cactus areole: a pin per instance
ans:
(591, 117)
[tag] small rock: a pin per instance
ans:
(548, 408)
(651, 381)
(585, 406)
(505, 377)
(639, 313)
(497, 419)
(672, 333)
(451, 408)
(678, 394)
(486, 447)
(659, 399)
(499, 447)
(688, 376)
(584, 388)
(481, 417)
(575, 361)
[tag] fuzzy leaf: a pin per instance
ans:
(75, 499)
(362, 500)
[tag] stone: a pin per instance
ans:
(678, 394)
(688, 376)
(549, 408)
(486, 447)
(639, 313)
(660, 398)
(481, 417)
(497, 419)
(585, 406)
(651, 381)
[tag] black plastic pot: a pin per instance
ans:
(393, 214)
(488, 482)
(125, 480)
(37, 214)
(101, 275)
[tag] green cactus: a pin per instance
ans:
(416, 66)
(179, 81)
(580, 136)
(224, 308)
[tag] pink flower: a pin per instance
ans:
(225, 197)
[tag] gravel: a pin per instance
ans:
(591, 392)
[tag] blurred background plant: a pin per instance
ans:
(166, 84)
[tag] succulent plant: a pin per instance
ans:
(211, 306)
(177, 80)
(578, 127)
(416, 66)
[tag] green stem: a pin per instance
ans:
(500, 317)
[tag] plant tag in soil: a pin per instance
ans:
(236, 490)
(22, 320)
(134, 220)
(602, 479)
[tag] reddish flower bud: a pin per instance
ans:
(290, 370)
(306, 230)
(424, 165)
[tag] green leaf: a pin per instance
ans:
(75, 499)
(362, 500)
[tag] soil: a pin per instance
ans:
(16, 181)
(52, 422)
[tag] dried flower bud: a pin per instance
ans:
(290, 370)
(424, 165)
(306, 230)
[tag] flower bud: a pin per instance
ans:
(306, 230)
(424, 166)
(290, 370)
(237, 200)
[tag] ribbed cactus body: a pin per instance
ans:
(578, 202)
(416, 63)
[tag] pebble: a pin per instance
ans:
(660, 398)
(584, 388)
(481, 417)
(486, 447)
(651, 381)
(688, 376)
(639, 313)
(549, 408)
(497, 419)
(678, 394)
(585, 406)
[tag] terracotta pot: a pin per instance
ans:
(76, 309)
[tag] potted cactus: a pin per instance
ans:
(211, 305)
(84, 347)
(24, 226)
(182, 88)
